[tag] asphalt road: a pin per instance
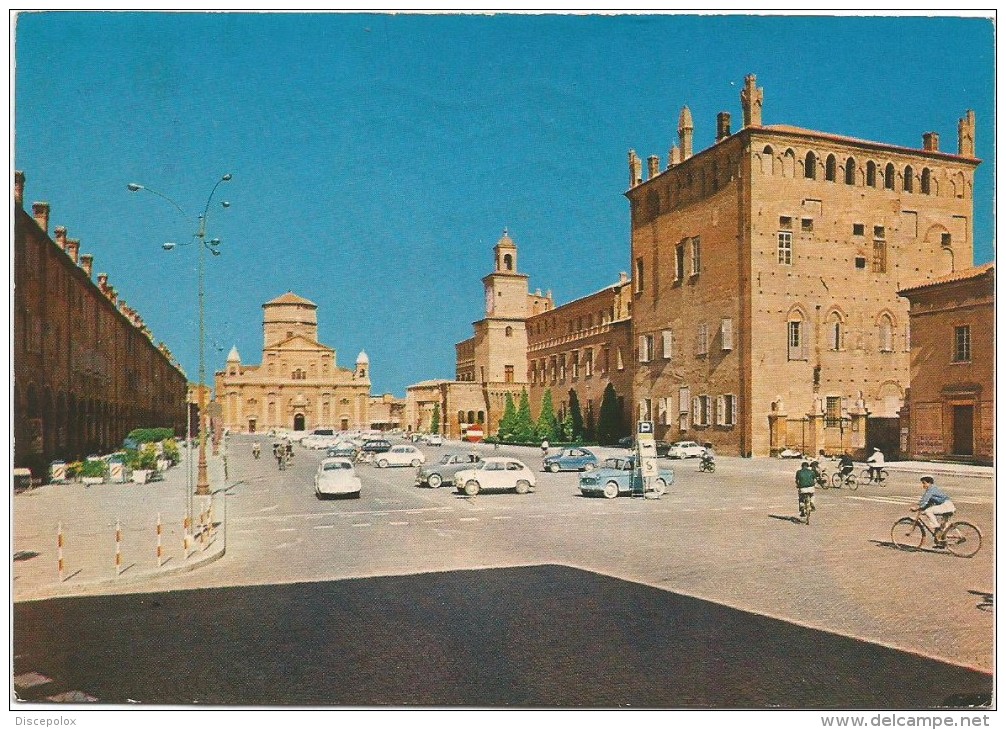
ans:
(711, 596)
(545, 636)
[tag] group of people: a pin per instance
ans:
(934, 503)
(282, 451)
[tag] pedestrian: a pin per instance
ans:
(256, 450)
(544, 448)
(805, 480)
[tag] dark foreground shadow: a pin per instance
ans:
(543, 636)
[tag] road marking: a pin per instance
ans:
(358, 513)
(287, 529)
(433, 522)
(398, 523)
(323, 527)
(266, 509)
(468, 519)
(498, 517)
(361, 524)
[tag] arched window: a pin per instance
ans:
(829, 169)
(461, 416)
(482, 416)
(871, 174)
(889, 176)
(810, 166)
(926, 181)
(886, 332)
(908, 183)
(509, 331)
(850, 171)
(796, 336)
(767, 150)
(835, 331)
(471, 417)
(508, 262)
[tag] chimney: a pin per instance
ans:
(87, 263)
(19, 188)
(931, 142)
(722, 125)
(72, 248)
(40, 212)
(635, 169)
(966, 135)
(685, 132)
(61, 237)
(751, 101)
(652, 166)
(103, 282)
(675, 156)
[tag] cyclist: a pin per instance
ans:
(805, 480)
(876, 462)
(815, 466)
(708, 457)
(544, 448)
(256, 450)
(935, 503)
(845, 465)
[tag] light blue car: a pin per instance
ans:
(570, 459)
(618, 475)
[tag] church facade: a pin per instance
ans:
(298, 385)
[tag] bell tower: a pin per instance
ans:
(505, 288)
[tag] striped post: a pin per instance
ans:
(118, 551)
(159, 553)
(209, 517)
(59, 551)
(186, 528)
(202, 527)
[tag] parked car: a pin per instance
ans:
(618, 475)
(570, 459)
(444, 470)
(495, 474)
(790, 454)
(629, 442)
(342, 450)
(376, 446)
(685, 450)
(336, 478)
(435, 439)
(406, 455)
(320, 438)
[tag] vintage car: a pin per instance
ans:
(619, 475)
(406, 455)
(443, 471)
(495, 474)
(336, 478)
(685, 450)
(570, 459)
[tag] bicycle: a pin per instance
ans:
(869, 479)
(839, 480)
(806, 500)
(961, 538)
(706, 464)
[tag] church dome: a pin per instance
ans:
(362, 358)
(233, 356)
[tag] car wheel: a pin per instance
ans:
(415, 463)
(659, 487)
(471, 488)
(553, 467)
(383, 463)
(589, 467)
(523, 487)
(611, 490)
(434, 481)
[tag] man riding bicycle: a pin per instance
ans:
(805, 480)
(846, 465)
(934, 504)
(819, 475)
(876, 462)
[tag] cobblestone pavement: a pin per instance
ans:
(729, 537)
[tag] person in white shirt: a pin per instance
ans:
(876, 462)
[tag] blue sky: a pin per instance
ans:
(376, 159)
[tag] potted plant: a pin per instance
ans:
(144, 463)
(171, 452)
(92, 471)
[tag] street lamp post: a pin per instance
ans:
(202, 473)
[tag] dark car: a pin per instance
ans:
(628, 442)
(376, 446)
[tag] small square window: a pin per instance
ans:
(860, 262)
(807, 225)
(785, 222)
(858, 229)
(878, 231)
(945, 240)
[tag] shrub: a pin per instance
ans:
(149, 435)
(147, 458)
(171, 452)
(93, 468)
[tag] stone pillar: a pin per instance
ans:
(635, 169)
(777, 429)
(685, 132)
(815, 433)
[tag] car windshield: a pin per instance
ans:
(446, 458)
(338, 465)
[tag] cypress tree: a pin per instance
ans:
(509, 420)
(588, 427)
(435, 420)
(524, 426)
(545, 428)
(576, 418)
(609, 421)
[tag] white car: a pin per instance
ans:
(435, 439)
(406, 455)
(336, 478)
(495, 473)
(685, 450)
(320, 438)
